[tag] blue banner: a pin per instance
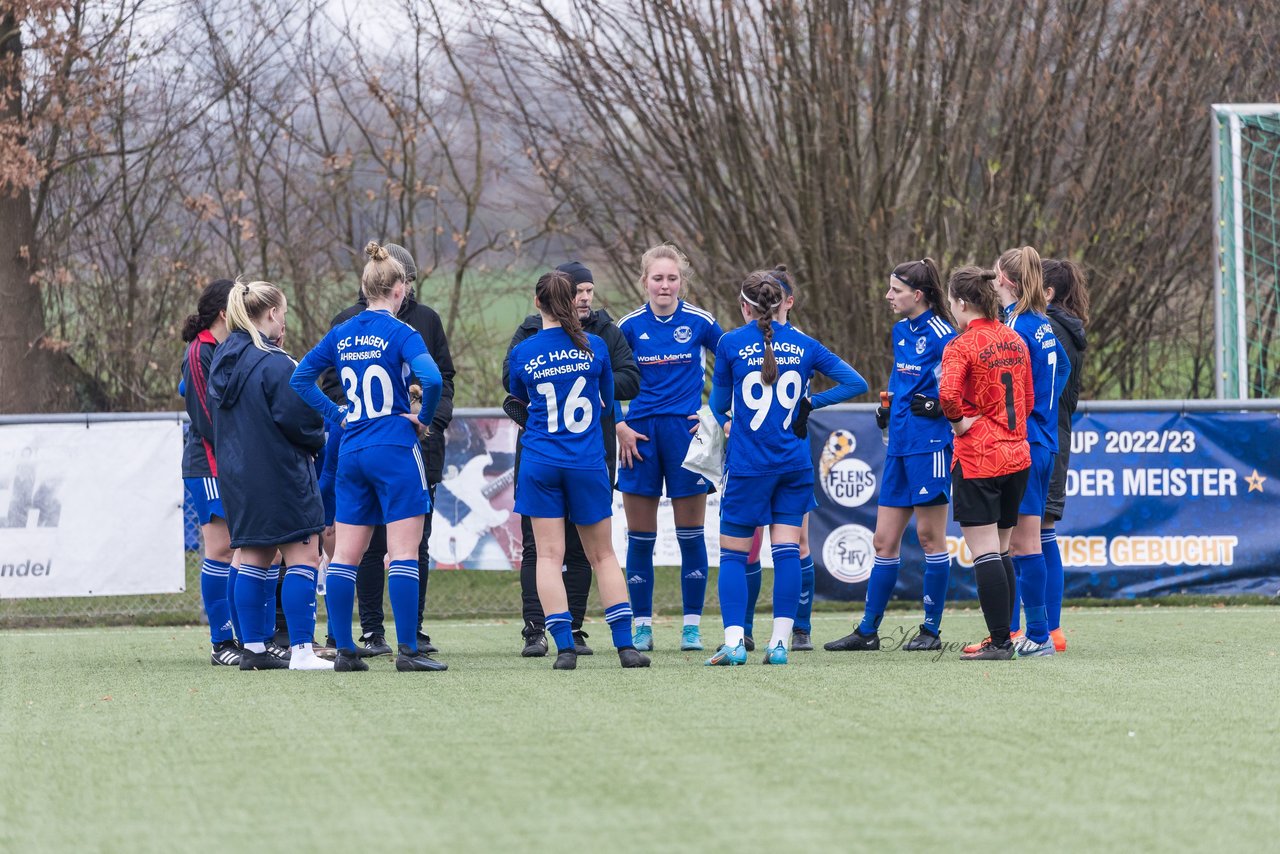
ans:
(1157, 503)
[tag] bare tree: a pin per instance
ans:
(842, 138)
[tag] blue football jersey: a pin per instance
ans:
(371, 353)
(917, 363)
(671, 354)
(761, 440)
(567, 390)
(1050, 368)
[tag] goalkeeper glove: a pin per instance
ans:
(517, 410)
(926, 407)
(800, 425)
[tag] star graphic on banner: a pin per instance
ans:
(1255, 481)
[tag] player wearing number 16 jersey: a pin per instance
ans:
(564, 377)
(381, 476)
(762, 375)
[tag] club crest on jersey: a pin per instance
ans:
(921, 344)
(849, 553)
(847, 480)
(683, 334)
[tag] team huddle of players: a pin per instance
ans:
(992, 396)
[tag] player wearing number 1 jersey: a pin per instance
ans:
(762, 376)
(1020, 285)
(986, 392)
(381, 476)
(563, 376)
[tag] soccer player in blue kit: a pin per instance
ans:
(669, 338)
(1020, 286)
(917, 465)
(563, 376)
(381, 476)
(762, 377)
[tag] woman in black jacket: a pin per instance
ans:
(1068, 311)
(266, 438)
(202, 332)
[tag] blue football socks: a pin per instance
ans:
(804, 613)
(214, 591)
(402, 588)
(298, 597)
(755, 576)
(640, 571)
(340, 601)
(1055, 579)
(1032, 574)
(937, 572)
(693, 568)
(884, 577)
(619, 619)
(560, 625)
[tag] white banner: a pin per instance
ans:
(91, 509)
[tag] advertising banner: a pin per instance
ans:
(1157, 502)
(91, 509)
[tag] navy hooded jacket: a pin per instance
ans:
(265, 438)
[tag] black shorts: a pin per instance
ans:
(987, 500)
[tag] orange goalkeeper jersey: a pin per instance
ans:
(986, 374)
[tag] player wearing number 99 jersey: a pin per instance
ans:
(1020, 285)
(381, 477)
(762, 375)
(564, 377)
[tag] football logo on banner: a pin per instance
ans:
(847, 480)
(849, 553)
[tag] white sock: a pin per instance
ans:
(733, 636)
(304, 648)
(781, 631)
(693, 619)
(256, 647)
(642, 621)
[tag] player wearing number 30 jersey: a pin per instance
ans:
(381, 476)
(762, 373)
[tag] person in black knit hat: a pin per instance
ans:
(626, 384)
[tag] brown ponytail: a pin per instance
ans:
(213, 301)
(1070, 287)
(923, 276)
(974, 285)
(555, 292)
(763, 291)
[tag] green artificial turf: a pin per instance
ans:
(1159, 729)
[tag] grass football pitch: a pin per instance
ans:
(1158, 729)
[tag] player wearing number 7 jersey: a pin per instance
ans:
(762, 376)
(1020, 285)
(381, 476)
(564, 377)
